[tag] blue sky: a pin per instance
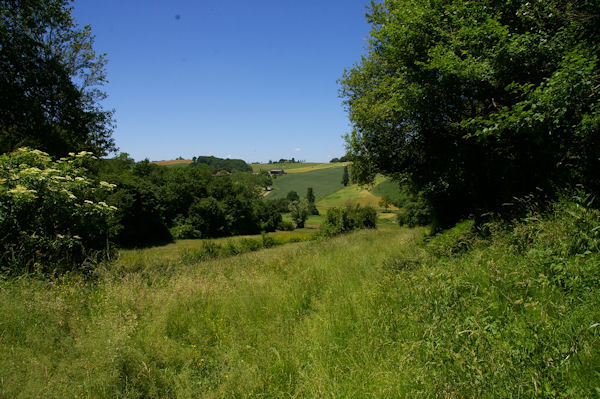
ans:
(254, 80)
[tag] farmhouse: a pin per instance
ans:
(277, 172)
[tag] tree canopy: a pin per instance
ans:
(50, 80)
(474, 102)
(218, 164)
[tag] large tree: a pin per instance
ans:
(477, 101)
(50, 81)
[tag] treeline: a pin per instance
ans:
(156, 204)
(220, 164)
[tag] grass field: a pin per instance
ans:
(382, 314)
(295, 167)
(323, 181)
(385, 186)
(175, 162)
(351, 195)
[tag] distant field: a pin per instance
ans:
(323, 181)
(174, 162)
(353, 194)
(294, 167)
(387, 187)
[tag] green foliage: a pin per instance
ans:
(50, 80)
(310, 195)
(343, 220)
(345, 177)
(310, 198)
(153, 199)
(292, 196)
(51, 218)
(220, 164)
(414, 211)
(299, 210)
(182, 230)
(286, 226)
(477, 102)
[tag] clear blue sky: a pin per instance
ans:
(245, 79)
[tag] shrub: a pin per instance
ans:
(414, 212)
(50, 216)
(286, 226)
(249, 245)
(342, 220)
(184, 231)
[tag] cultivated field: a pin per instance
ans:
(295, 167)
(323, 181)
(174, 162)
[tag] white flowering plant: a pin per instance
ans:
(51, 219)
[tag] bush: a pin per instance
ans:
(184, 231)
(50, 216)
(342, 220)
(286, 226)
(414, 212)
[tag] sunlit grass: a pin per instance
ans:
(379, 314)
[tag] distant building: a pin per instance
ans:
(277, 172)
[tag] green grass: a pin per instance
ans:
(323, 182)
(387, 187)
(383, 314)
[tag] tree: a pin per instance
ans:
(385, 202)
(345, 177)
(310, 195)
(299, 211)
(310, 198)
(292, 196)
(476, 102)
(50, 79)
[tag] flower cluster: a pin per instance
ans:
(51, 209)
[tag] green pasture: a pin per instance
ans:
(323, 182)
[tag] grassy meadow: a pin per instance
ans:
(375, 313)
(323, 181)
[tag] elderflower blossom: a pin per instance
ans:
(22, 190)
(107, 184)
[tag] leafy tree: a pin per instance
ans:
(310, 195)
(299, 211)
(345, 177)
(217, 164)
(310, 198)
(292, 196)
(476, 102)
(208, 216)
(50, 79)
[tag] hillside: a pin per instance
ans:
(370, 314)
(323, 181)
(299, 167)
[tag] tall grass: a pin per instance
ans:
(369, 314)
